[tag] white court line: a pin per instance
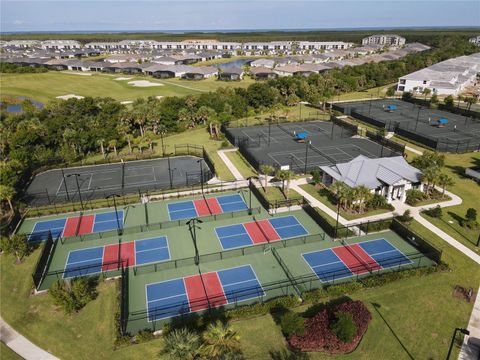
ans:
(90, 181)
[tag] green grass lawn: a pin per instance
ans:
(346, 215)
(275, 193)
(292, 114)
(44, 87)
(8, 354)
(241, 164)
(468, 190)
(379, 91)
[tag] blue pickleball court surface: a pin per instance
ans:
(182, 210)
(233, 236)
(288, 227)
(151, 250)
(84, 262)
(384, 253)
(167, 299)
(107, 221)
(327, 265)
(232, 203)
(240, 284)
(42, 229)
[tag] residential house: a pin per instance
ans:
(390, 177)
(232, 73)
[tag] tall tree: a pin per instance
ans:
(220, 341)
(445, 180)
(285, 176)
(7, 194)
(266, 170)
(16, 245)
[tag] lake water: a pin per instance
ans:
(234, 63)
(17, 108)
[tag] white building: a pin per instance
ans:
(449, 77)
(475, 40)
(390, 177)
(60, 45)
(384, 39)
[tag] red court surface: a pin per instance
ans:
(196, 293)
(214, 206)
(367, 259)
(354, 264)
(261, 231)
(73, 227)
(201, 207)
(214, 289)
(112, 253)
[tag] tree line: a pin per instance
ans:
(68, 131)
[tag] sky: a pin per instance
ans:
(127, 15)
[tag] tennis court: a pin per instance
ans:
(99, 181)
(321, 143)
(207, 206)
(258, 232)
(94, 260)
(199, 292)
(76, 225)
(438, 129)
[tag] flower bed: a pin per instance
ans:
(318, 335)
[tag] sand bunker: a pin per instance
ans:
(122, 78)
(126, 102)
(70, 96)
(143, 83)
(158, 97)
(78, 73)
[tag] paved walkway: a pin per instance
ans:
(471, 344)
(21, 345)
(231, 167)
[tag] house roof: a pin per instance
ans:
(233, 70)
(373, 172)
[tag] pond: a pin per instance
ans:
(17, 108)
(234, 63)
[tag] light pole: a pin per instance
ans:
(269, 126)
(65, 183)
(306, 155)
(463, 331)
(201, 173)
(170, 170)
(302, 103)
(78, 188)
(192, 225)
(250, 196)
(370, 104)
(418, 116)
(162, 132)
(113, 196)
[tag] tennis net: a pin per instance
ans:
(357, 257)
(287, 272)
(281, 127)
(328, 157)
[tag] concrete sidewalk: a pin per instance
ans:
(471, 344)
(21, 345)
(231, 167)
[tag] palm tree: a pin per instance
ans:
(181, 345)
(339, 189)
(429, 176)
(363, 194)
(112, 144)
(101, 142)
(470, 101)
(220, 341)
(129, 138)
(266, 170)
(286, 176)
(426, 92)
(6, 194)
(459, 98)
(444, 180)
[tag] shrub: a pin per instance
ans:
(377, 202)
(414, 196)
(343, 326)
(73, 294)
(316, 177)
(436, 212)
(16, 245)
(225, 144)
(406, 217)
(144, 335)
(292, 323)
